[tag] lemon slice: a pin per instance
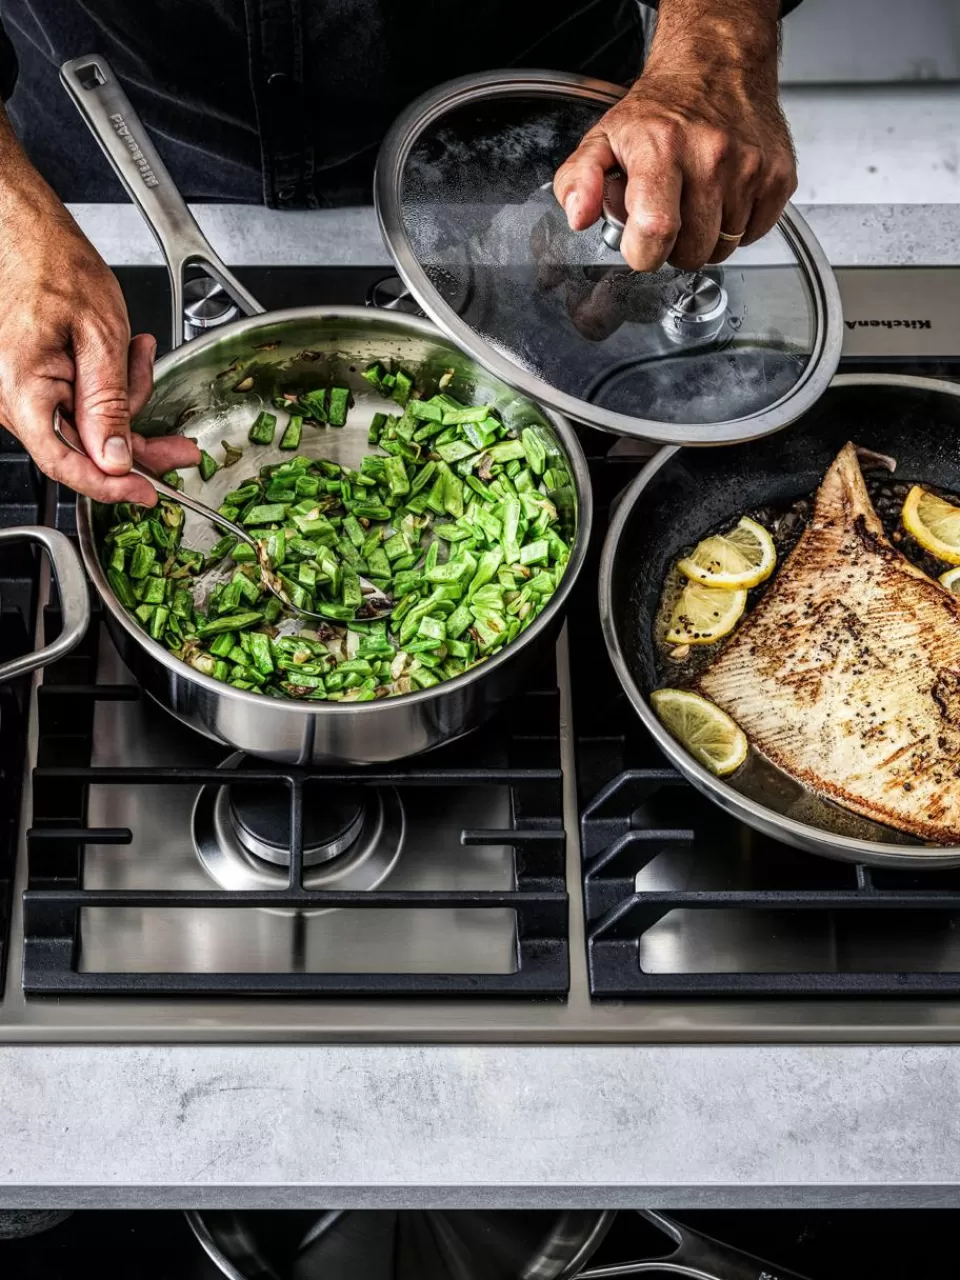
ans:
(951, 580)
(934, 523)
(707, 732)
(702, 614)
(738, 559)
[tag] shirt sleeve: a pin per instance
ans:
(8, 66)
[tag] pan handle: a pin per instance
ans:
(111, 119)
(696, 1256)
(74, 598)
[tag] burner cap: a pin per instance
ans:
(332, 818)
(352, 835)
(391, 294)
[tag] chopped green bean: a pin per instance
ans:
(232, 622)
(454, 517)
(425, 409)
(264, 427)
(142, 561)
(223, 644)
(456, 450)
(535, 552)
(158, 622)
(375, 374)
(314, 405)
(402, 386)
(534, 452)
(260, 653)
(339, 402)
(265, 513)
(458, 416)
(152, 590)
(292, 433)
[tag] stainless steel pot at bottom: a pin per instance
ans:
(17, 1224)
(408, 1245)
(466, 1245)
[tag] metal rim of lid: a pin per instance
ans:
(824, 357)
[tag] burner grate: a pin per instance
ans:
(56, 896)
(680, 899)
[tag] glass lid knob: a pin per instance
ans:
(699, 308)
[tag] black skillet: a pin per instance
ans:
(683, 494)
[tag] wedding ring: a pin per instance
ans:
(725, 235)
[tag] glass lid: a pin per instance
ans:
(464, 195)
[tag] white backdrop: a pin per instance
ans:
(844, 41)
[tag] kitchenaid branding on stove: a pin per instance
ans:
(889, 324)
(139, 159)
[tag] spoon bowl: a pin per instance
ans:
(375, 603)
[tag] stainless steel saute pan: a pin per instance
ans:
(213, 387)
(683, 494)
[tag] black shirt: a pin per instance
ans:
(280, 101)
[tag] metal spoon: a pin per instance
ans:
(375, 605)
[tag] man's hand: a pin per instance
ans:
(65, 340)
(700, 136)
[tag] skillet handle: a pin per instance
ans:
(74, 597)
(105, 107)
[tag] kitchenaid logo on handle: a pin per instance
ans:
(140, 160)
(889, 324)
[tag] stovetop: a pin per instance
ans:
(548, 879)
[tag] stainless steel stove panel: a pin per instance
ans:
(163, 856)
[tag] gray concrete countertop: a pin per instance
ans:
(510, 1126)
(471, 1127)
(851, 234)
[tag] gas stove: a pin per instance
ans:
(548, 879)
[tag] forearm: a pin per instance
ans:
(14, 165)
(737, 38)
(23, 192)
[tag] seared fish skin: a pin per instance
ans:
(847, 673)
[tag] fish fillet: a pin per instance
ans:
(847, 673)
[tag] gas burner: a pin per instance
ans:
(206, 305)
(391, 294)
(261, 820)
(352, 836)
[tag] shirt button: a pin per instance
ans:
(278, 80)
(286, 194)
